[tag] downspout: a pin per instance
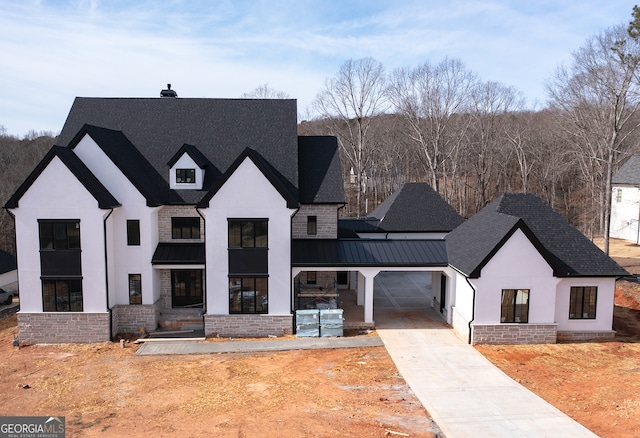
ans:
(473, 308)
(106, 273)
(204, 238)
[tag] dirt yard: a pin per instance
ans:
(106, 391)
(597, 384)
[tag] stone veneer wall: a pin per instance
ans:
(63, 327)
(586, 336)
(514, 333)
(327, 222)
(250, 326)
(129, 318)
(164, 221)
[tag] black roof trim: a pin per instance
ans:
(198, 157)
(272, 175)
(105, 199)
(131, 163)
(368, 252)
(179, 254)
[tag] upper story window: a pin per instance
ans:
(185, 176)
(619, 195)
(185, 227)
(312, 225)
(133, 232)
(248, 234)
(59, 235)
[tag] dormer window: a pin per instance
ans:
(185, 176)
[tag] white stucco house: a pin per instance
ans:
(625, 201)
(214, 213)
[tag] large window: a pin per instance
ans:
(133, 232)
(185, 176)
(515, 305)
(59, 235)
(248, 234)
(135, 289)
(185, 227)
(62, 295)
(582, 302)
(248, 295)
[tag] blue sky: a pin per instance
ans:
(52, 51)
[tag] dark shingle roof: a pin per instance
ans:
(416, 207)
(7, 262)
(132, 164)
(568, 252)
(350, 227)
(80, 171)
(219, 128)
(319, 172)
(629, 173)
(178, 254)
(368, 252)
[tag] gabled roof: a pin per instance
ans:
(287, 191)
(201, 161)
(131, 163)
(220, 128)
(367, 252)
(566, 250)
(416, 207)
(629, 173)
(105, 199)
(319, 172)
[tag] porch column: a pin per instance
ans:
(368, 275)
(360, 280)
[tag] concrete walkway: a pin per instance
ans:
(464, 393)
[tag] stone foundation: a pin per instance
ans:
(586, 336)
(63, 327)
(249, 326)
(513, 333)
(130, 318)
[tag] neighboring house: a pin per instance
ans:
(625, 202)
(214, 213)
(8, 272)
(524, 274)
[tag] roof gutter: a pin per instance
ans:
(106, 273)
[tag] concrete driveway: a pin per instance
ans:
(463, 392)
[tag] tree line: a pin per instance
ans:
(473, 140)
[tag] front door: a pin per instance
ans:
(186, 288)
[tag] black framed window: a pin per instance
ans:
(185, 176)
(59, 234)
(135, 289)
(515, 305)
(248, 295)
(133, 232)
(62, 295)
(248, 233)
(185, 227)
(582, 302)
(312, 225)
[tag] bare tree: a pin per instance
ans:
(350, 100)
(430, 97)
(598, 96)
(264, 92)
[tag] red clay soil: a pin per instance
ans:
(104, 390)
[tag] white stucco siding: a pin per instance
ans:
(604, 305)
(124, 259)
(186, 162)
(57, 194)
(517, 265)
(247, 194)
(625, 213)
